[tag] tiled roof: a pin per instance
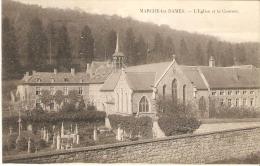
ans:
(111, 81)
(192, 73)
(232, 77)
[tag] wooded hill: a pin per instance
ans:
(36, 38)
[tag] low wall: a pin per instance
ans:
(192, 148)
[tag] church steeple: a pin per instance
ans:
(118, 57)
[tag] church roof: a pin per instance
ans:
(142, 77)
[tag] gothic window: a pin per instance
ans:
(164, 89)
(251, 102)
(184, 94)
(143, 105)
(244, 101)
(221, 102)
(174, 90)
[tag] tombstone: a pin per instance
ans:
(53, 128)
(77, 139)
(76, 129)
(74, 139)
(107, 123)
(119, 135)
(95, 136)
(47, 136)
(58, 147)
(44, 133)
(10, 130)
(53, 141)
(29, 145)
(62, 130)
(71, 128)
(29, 127)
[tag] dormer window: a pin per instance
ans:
(229, 92)
(52, 80)
(214, 93)
(66, 80)
(38, 80)
(251, 92)
(221, 92)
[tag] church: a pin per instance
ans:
(116, 89)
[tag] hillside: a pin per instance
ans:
(20, 16)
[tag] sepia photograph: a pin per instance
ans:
(134, 81)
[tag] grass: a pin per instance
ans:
(209, 121)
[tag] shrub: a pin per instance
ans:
(68, 107)
(21, 144)
(234, 112)
(11, 142)
(134, 126)
(39, 144)
(176, 118)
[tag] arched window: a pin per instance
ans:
(143, 105)
(164, 89)
(184, 94)
(174, 90)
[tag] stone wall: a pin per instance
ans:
(192, 148)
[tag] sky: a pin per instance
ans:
(235, 21)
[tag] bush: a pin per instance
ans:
(39, 144)
(234, 112)
(68, 107)
(21, 144)
(134, 126)
(11, 142)
(176, 118)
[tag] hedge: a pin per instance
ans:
(133, 125)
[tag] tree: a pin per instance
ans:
(64, 56)
(36, 45)
(210, 51)
(73, 96)
(199, 54)
(169, 48)
(52, 42)
(130, 47)
(11, 66)
(141, 50)
(46, 97)
(110, 44)
(86, 45)
(240, 53)
(59, 97)
(184, 52)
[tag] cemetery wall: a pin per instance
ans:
(190, 148)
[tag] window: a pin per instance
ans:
(229, 92)
(221, 92)
(65, 89)
(38, 91)
(164, 88)
(38, 80)
(237, 102)
(66, 100)
(80, 90)
(213, 93)
(66, 79)
(229, 102)
(237, 92)
(184, 94)
(174, 91)
(244, 102)
(221, 101)
(52, 80)
(251, 102)
(38, 103)
(194, 92)
(244, 92)
(251, 92)
(143, 105)
(52, 90)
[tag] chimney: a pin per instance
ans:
(55, 71)
(72, 71)
(211, 61)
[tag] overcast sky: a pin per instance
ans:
(241, 25)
